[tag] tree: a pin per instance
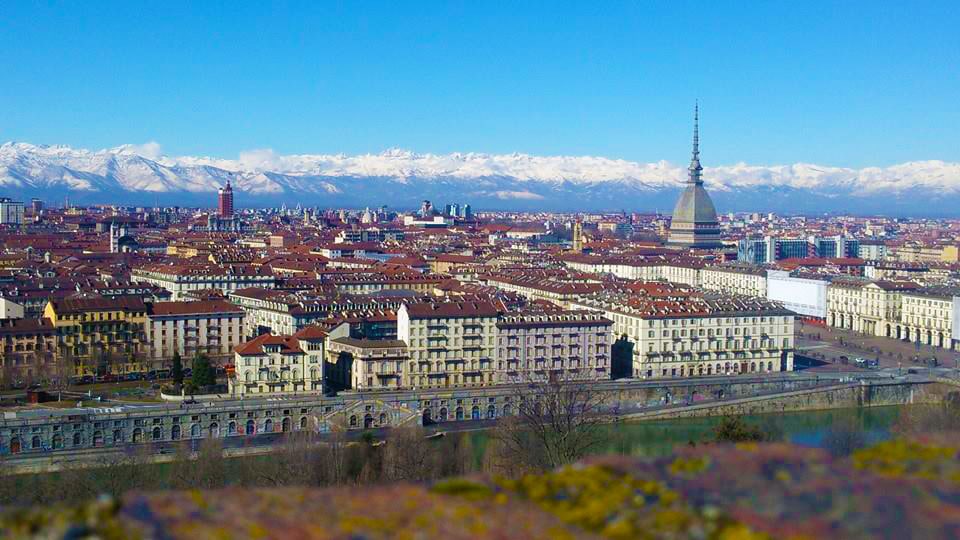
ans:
(732, 429)
(621, 358)
(203, 374)
(408, 455)
(556, 422)
(177, 371)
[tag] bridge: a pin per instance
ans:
(37, 432)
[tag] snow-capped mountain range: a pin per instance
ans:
(140, 174)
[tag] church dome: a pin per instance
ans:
(694, 206)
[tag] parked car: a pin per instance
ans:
(87, 379)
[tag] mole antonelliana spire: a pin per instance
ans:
(694, 222)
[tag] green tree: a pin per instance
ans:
(177, 371)
(203, 374)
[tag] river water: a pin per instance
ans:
(807, 428)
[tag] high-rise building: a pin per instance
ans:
(11, 212)
(770, 249)
(36, 205)
(695, 222)
(225, 201)
(791, 248)
(752, 250)
(837, 246)
(426, 209)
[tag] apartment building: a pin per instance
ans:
(29, 351)
(451, 344)
(746, 280)
(553, 345)
(559, 290)
(870, 307)
(928, 316)
(690, 336)
(368, 364)
(270, 364)
(211, 327)
(183, 279)
(101, 335)
(284, 313)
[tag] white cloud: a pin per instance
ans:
(150, 150)
(261, 159)
(520, 195)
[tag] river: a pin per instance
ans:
(807, 428)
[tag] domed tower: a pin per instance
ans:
(694, 222)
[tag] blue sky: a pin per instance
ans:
(836, 83)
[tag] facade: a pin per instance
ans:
(29, 351)
(11, 212)
(753, 250)
(870, 307)
(837, 247)
(181, 280)
(225, 201)
(372, 234)
(694, 337)
(451, 344)
(872, 251)
(695, 223)
(371, 364)
(562, 345)
(101, 335)
(929, 316)
(735, 279)
(271, 364)
(211, 327)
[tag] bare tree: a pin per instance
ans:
(408, 455)
(556, 422)
(930, 417)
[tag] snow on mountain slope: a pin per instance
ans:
(548, 181)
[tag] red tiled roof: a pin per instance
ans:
(186, 308)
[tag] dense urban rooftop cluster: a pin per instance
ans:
(124, 289)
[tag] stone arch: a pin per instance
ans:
(268, 426)
(251, 427)
(157, 433)
(175, 432)
(195, 431)
(285, 425)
